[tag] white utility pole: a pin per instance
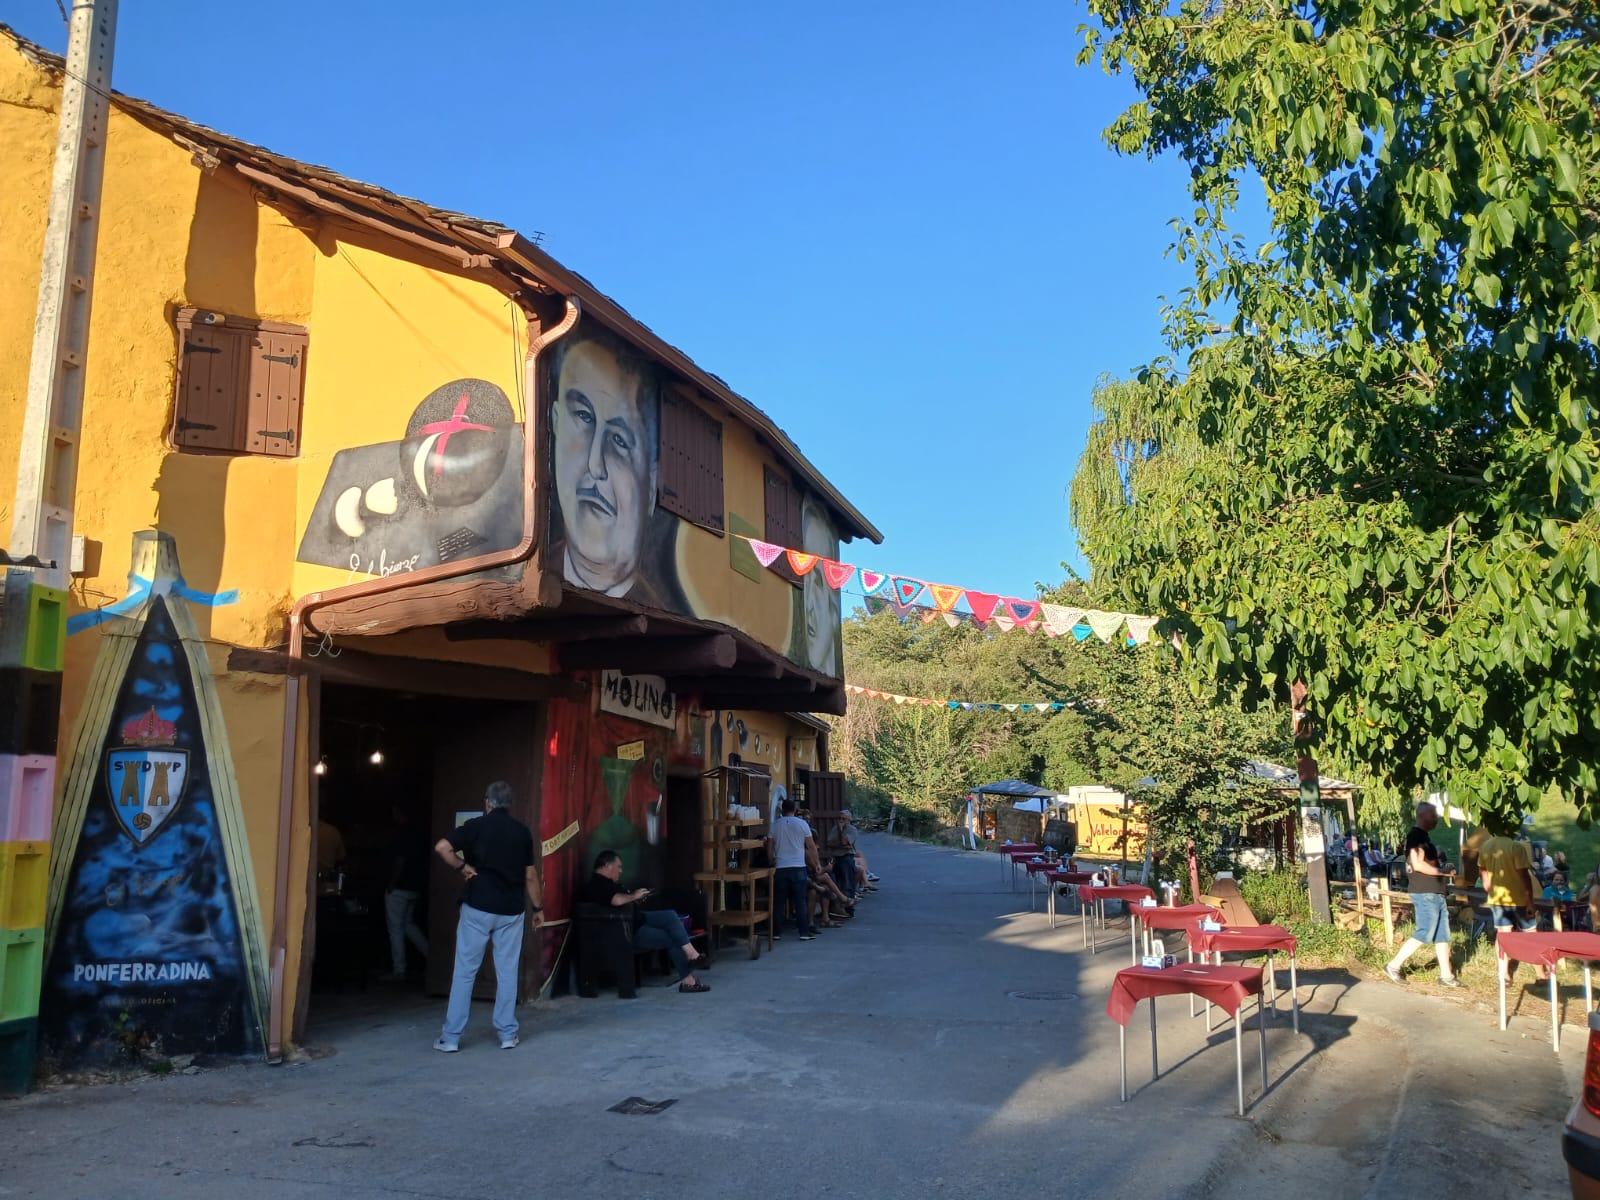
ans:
(47, 464)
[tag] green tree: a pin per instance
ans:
(1370, 462)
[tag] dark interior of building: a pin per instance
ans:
(376, 777)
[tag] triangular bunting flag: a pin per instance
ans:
(1059, 619)
(1081, 632)
(1004, 620)
(982, 604)
(1139, 629)
(871, 581)
(928, 616)
(1104, 624)
(876, 695)
(901, 611)
(1010, 707)
(944, 595)
(801, 562)
(766, 553)
(952, 619)
(906, 590)
(1023, 610)
(953, 704)
(836, 573)
(899, 699)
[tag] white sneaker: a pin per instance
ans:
(444, 1047)
(510, 1043)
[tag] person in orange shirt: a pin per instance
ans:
(1506, 867)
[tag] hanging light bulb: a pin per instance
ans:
(376, 758)
(322, 766)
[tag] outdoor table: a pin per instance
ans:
(1015, 853)
(1071, 877)
(1093, 897)
(1036, 867)
(1548, 949)
(1227, 987)
(1254, 939)
(1178, 916)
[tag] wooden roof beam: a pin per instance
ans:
(562, 629)
(654, 656)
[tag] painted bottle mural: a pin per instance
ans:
(616, 832)
(154, 931)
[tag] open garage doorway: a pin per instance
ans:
(395, 771)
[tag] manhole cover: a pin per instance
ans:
(637, 1106)
(1043, 995)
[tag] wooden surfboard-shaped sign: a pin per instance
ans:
(154, 937)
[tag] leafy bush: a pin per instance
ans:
(1276, 897)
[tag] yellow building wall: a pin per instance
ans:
(383, 330)
(764, 608)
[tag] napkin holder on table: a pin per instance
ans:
(1209, 926)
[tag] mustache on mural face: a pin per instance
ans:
(591, 496)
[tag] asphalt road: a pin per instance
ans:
(946, 1043)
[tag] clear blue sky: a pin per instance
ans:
(893, 226)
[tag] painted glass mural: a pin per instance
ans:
(605, 779)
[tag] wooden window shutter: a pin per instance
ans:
(239, 384)
(689, 462)
(783, 519)
(272, 422)
(211, 366)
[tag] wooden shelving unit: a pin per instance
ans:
(730, 846)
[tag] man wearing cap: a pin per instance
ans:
(494, 854)
(841, 841)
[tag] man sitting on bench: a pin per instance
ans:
(657, 929)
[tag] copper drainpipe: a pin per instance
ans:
(298, 621)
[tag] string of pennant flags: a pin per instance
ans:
(904, 596)
(1038, 706)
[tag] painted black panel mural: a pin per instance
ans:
(149, 951)
(451, 488)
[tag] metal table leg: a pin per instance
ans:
(1122, 1053)
(1588, 989)
(1262, 1026)
(1133, 938)
(1155, 1069)
(1083, 923)
(1051, 901)
(1238, 1053)
(1294, 991)
(1500, 971)
(1555, 1013)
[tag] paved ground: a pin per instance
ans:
(945, 1044)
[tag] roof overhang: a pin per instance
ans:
(720, 666)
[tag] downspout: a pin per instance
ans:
(299, 621)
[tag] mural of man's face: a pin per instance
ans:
(603, 468)
(821, 601)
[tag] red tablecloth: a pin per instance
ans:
(1130, 892)
(1018, 853)
(1548, 948)
(1250, 937)
(1034, 868)
(1069, 876)
(1182, 916)
(1226, 987)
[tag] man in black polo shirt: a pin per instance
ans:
(494, 853)
(657, 929)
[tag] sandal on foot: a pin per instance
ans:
(694, 987)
